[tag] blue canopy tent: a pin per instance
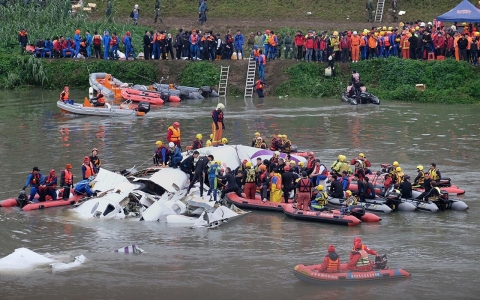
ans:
(463, 12)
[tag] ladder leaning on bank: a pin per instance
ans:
(222, 84)
(252, 66)
(379, 11)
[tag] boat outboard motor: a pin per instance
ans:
(22, 199)
(143, 107)
(443, 201)
(393, 199)
(380, 262)
(205, 91)
(357, 211)
(445, 182)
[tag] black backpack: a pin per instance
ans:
(131, 14)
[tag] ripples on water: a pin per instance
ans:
(252, 257)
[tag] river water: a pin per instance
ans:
(253, 257)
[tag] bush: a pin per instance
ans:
(197, 74)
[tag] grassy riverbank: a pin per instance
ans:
(448, 81)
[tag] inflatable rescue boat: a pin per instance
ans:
(22, 201)
(256, 203)
(320, 216)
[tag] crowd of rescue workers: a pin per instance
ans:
(412, 40)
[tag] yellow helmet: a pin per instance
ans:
(199, 136)
(224, 141)
(362, 155)
(344, 158)
(276, 153)
(339, 157)
(384, 28)
(348, 192)
(395, 163)
(401, 24)
(257, 133)
(320, 187)
(280, 136)
(464, 24)
(284, 136)
(211, 136)
(219, 162)
(382, 33)
(301, 164)
(292, 162)
(335, 33)
(376, 33)
(390, 28)
(248, 164)
(159, 143)
(477, 33)
(417, 28)
(398, 169)
(420, 167)
(208, 143)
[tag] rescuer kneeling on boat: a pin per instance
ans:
(359, 259)
(99, 100)
(83, 187)
(34, 180)
(331, 262)
(321, 200)
(65, 96)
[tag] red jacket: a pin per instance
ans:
(449, 43)
(345, 43)
(309, 43)
(323, 44)
(439, 42)
(316, 43)
(299, 40)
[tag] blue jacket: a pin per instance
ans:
(83, 187)
(30, 176)
(238, 41)
(106, 41)
(203, 7)
(127, 41)
(89, 40)
(77, 39)
(345, 183)
(177, 153)
(48, 45)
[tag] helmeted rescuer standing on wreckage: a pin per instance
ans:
(217, 126)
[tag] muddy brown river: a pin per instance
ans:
(253, 257)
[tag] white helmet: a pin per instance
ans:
(422, 24)
(136, 6)
(355, 33)
(220, 106)
(171, 145)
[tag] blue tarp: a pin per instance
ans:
(463, 12)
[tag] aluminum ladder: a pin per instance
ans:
(379, 12)
(252, 67)
(222, 84)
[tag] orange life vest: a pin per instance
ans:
(305, 186)
(64, 96)
(259, 85)
(272, 40)
(363, 41)
(50, 179)
(68, 177)
(386, 40)
(256, 52)
(89, 170)
(175, 134)
(35, 181)
(332, 265)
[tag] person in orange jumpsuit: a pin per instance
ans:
(363, 247)
(405, 45)
(455, 45)
(217, 125)
(355, 40)
(331, 261)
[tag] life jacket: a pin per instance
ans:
(363, 41)
(325, 170)
(64, 96)
(272, 41)
(276, 182)
(260, 145)
(399, 177)
(68, 177)
(332, 265)
(219, 116)
(305, 186)
(259, 85)
(433, 174)
(344, 167)
(286, 146)
(274, 145)
(97, 40)
(256, 53)
(35, 180)
(267, 40)
(363, 260)
(311, 163)
(386, 41)
(251, 176)
(197, 144)
(175, 137)
(50, 179)
(352, 200)
(422, 177)
(161, 37)
(322, 199)
(89, 170)
(381, 42)
(406, 44)
(158, 151)
(262, 60)
(113, 41)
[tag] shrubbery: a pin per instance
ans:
(199, 74)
